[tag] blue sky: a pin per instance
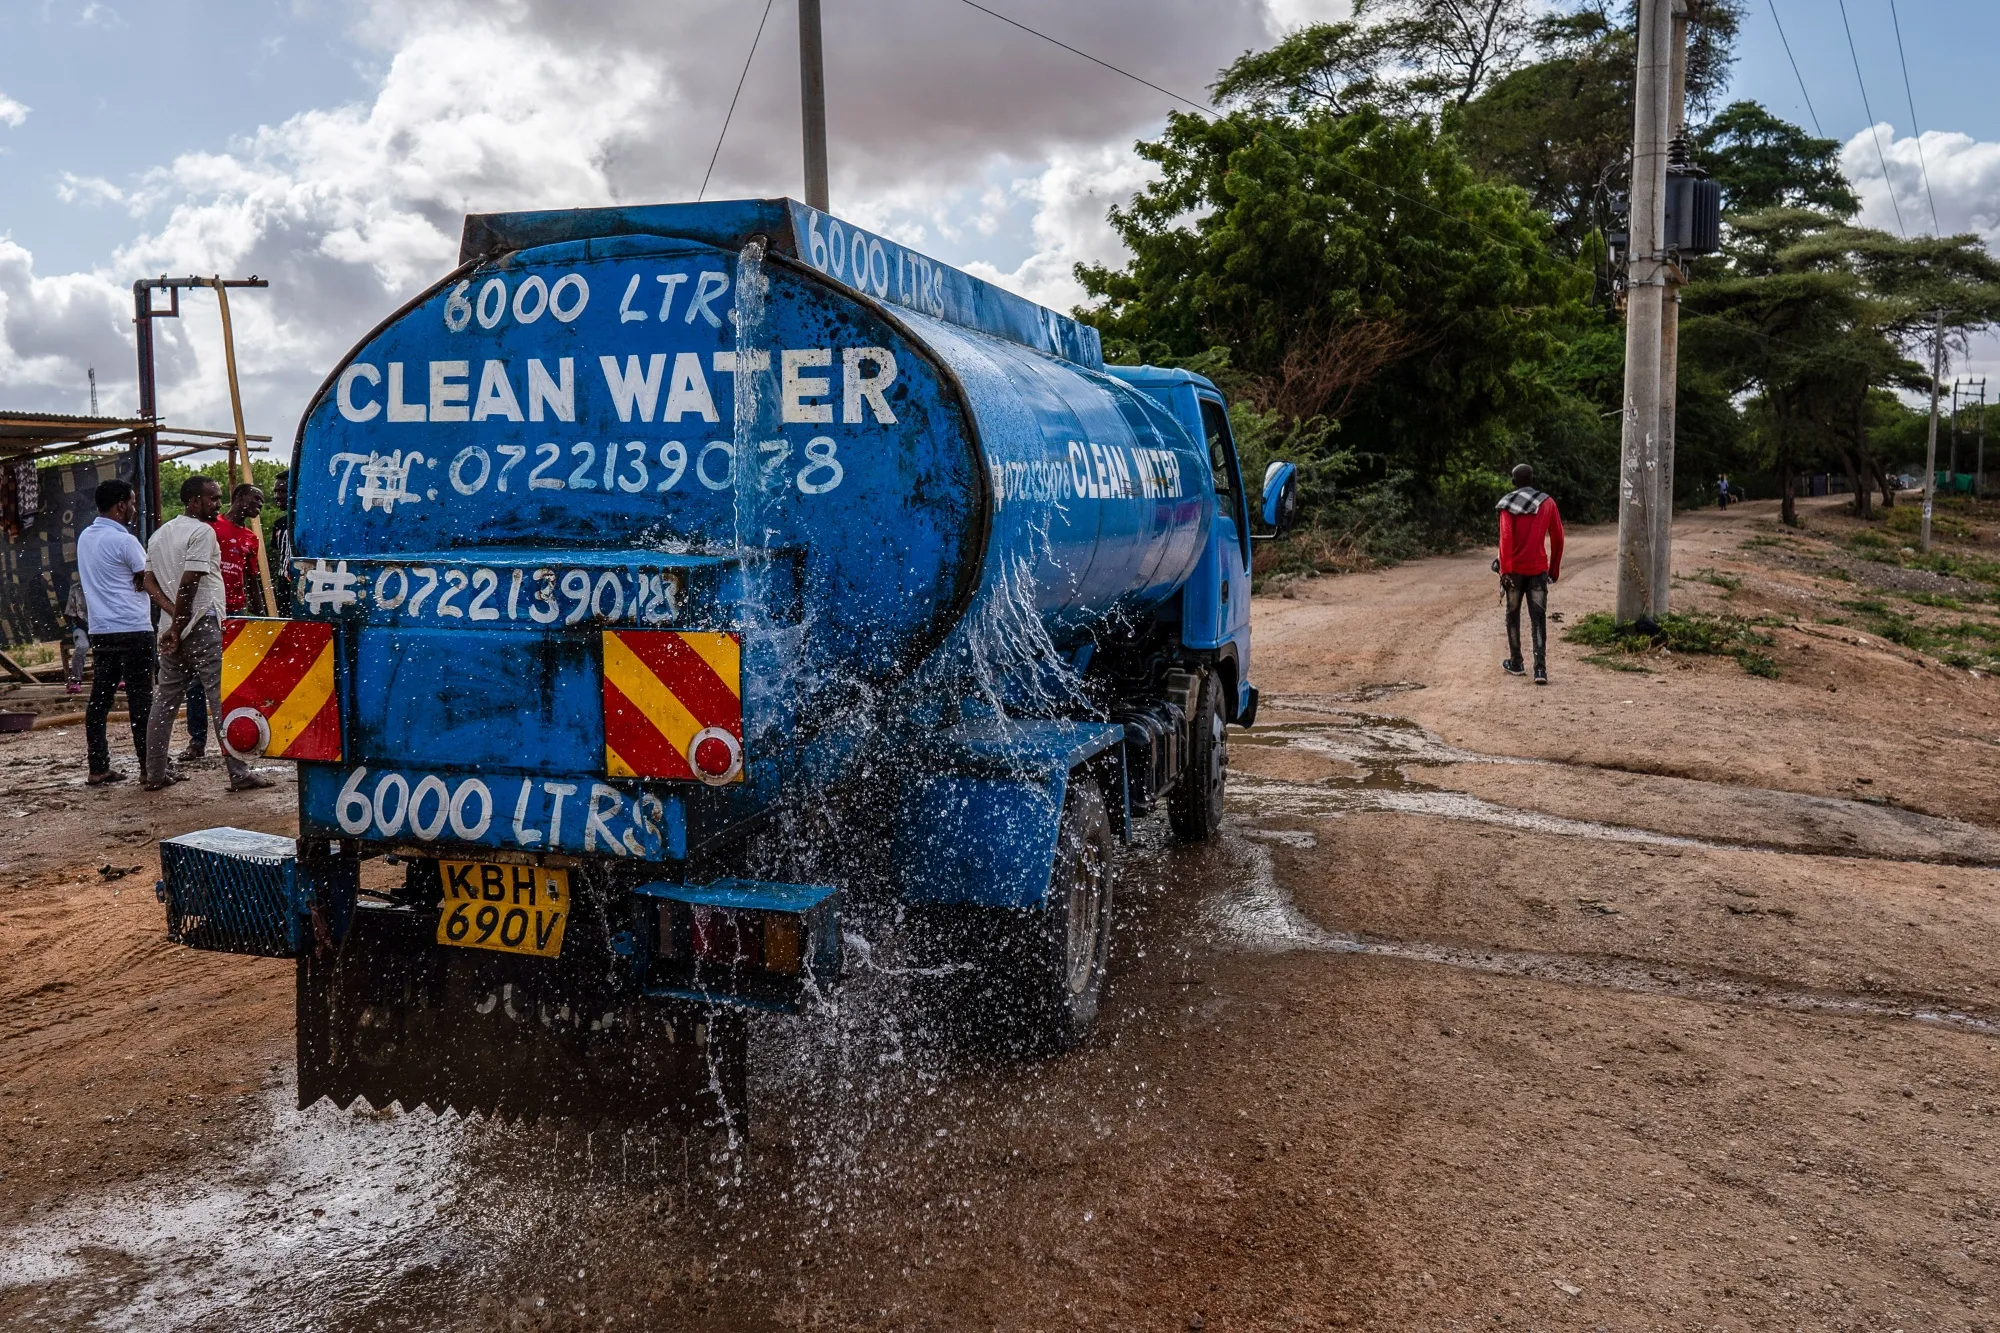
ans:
(333, 144)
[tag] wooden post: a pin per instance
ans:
(240, 449)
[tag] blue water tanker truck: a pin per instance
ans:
(672, 580)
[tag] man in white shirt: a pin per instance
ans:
(184, 577)
(111, 567)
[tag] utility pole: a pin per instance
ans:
(1662, 515)
(146, 442)
(1639, 461)
(1930, 450)
(812, 102)
(1979, 467)
(1952, 469)
(92, 372)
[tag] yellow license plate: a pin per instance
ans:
(507, 908)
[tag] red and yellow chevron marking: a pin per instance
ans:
(673, 705)
(281, 670)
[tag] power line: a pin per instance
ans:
(1199, 106)
(1795, 69)
(1206, 109)
(731, 113)
(1915, 132)
(1873, 128)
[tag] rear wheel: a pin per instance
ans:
(1194, 808)
(1028, 981)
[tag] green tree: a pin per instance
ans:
(1762, 162)
(1355, 267)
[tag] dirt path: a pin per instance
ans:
(1644, 1001)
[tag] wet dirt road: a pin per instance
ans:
(1638, 1002)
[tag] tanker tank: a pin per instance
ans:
(669, 576)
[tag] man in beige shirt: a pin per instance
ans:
(184, 579)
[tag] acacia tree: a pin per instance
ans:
(1353, 266)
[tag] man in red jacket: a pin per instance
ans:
(1531, 556)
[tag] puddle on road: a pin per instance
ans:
(420, 1219)
(1386, 750)
(1255, 913)
(322, 1208)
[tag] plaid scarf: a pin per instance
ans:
(1524, 501)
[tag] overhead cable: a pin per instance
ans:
(1873, 128)
(1915, 132)
(1795, 69)
(731, 113)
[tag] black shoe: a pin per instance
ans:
(1541, 674)
(1511, 667)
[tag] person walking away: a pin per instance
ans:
(111, 569)
(184, 556)
(1531, 553)
(1722, 491)
(77, 612)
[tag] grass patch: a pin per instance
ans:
(1936, 599)
(1619, 662)
(1695, 633)
(1970, 645)
(1752, 543)
(1726, 582)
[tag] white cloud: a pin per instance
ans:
(1071, 198)
(1965, 182)
(950, 130)
(12, 113)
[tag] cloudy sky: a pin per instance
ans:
(333, 146)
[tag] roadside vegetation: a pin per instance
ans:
(1702, 634)
(1392, 250)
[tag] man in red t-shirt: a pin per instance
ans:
(1531, 556)
(239, 544)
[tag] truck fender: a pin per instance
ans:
(978, 816)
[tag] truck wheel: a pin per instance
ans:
(1027, 982)
(1194, 807)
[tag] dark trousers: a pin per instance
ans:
(197, 718)
(116, 659)
(1534, 590)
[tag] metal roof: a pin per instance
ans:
(32, 432)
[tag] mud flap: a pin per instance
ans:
(392, 1016)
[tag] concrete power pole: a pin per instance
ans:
(1930, 449)
(1639, 464)
(1662, 515)
(812, 101)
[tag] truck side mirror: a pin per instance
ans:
(1281, 497)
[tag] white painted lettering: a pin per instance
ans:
(626, 314)
(448, 387)
(496, 394)
(603, 801)
(856, 386)
(669, 281)
(795, 388)
(350, 409)
(688, 390)
(524, 835)
(559, 394)
(629, 388)
(557, 790)
(398, 409)
(711, 284)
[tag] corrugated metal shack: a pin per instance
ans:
(49, 466)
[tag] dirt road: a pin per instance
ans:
(1649, 1000)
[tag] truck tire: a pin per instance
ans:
(1026, 982)
(1194, 807)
